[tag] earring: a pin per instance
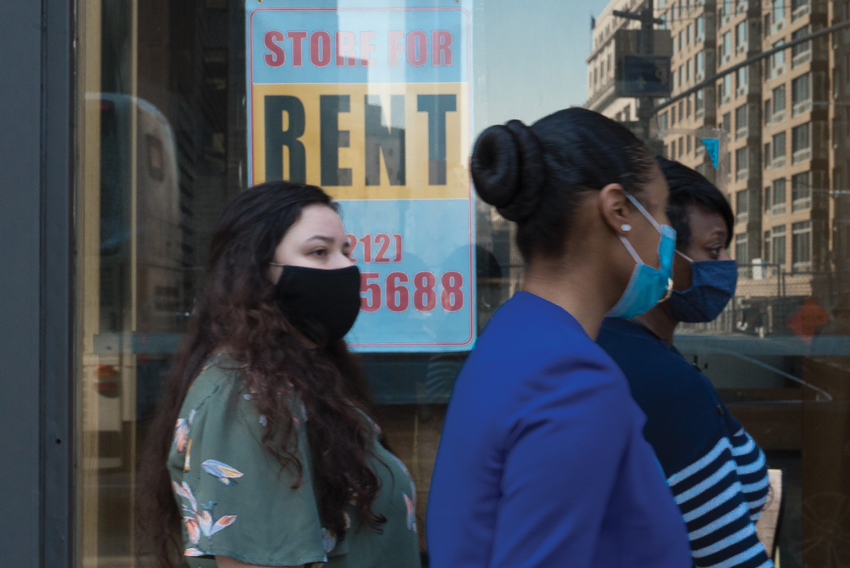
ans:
(626, 227)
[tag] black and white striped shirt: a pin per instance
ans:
(717, 473)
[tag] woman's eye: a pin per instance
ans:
(320, 252)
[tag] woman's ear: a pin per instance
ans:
(614, 207)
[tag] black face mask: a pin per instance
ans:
(321, 304)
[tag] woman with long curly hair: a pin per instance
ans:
(264, 451)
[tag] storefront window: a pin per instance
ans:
(168, 126)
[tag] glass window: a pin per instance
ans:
(778, 10)
(778, 201)
(778, 238)
(726, 88)
(741, 207)
(162, 144)
(799, 8)
(801, 191)
(801, 53)
(778, 150)
(741, 36)
(742, 79)
(801, 143)
(778, 60)
(779, 103)
(741, 163)
(801, 246)
(801, 94)
(742, 256)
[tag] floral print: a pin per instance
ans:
(222, 471)
(219, 428)
(181, 434)
(328, 540)
(199, 522)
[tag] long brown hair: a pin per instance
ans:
(237, 311)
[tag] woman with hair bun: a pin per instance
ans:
(542, 461)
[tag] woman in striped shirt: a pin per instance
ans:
(716, 471)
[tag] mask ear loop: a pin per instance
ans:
(655, 224)
(686, 257)
(643, 211)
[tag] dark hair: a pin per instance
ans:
(237, 311)
(536, 175)
(688, 188)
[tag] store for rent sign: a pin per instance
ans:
(372, 102)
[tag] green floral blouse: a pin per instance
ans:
(236, 501)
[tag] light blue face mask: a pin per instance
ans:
(648, 285)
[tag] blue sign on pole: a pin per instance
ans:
(712, 145)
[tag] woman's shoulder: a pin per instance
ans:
(220, 377)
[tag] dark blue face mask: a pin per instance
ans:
(713, 284)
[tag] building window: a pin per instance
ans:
(778, 150)
(801, 143)
(778, 10)
(726, 48)
(699, 103)
(725, 89)
(741, 252)
(700, 65)
(801, 191)
(700, 29)
(767, 156)
(675, 47)
(741, 37)
(690, 37)
(688, 144)
(681, 146)
(799, 8)
(777, 61)
(801, 246)
(726, 123)
(673, 115)
(700, 169)
(742, 75)
(767, 111)
(689, 69)
(778, 104)
(741, 164)
(681, 75)
(801, 94)
(741, 206)
(767, 191)
(802, 52)
(662, 121)
(778, 200)
(777, 236)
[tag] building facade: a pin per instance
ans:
(782, 127)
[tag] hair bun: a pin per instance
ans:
(508, 170)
